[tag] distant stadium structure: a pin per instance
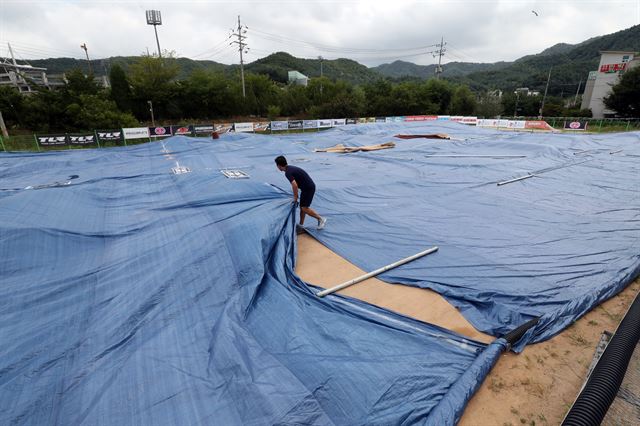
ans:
(612, 65)
(296, 77)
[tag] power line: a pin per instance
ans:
(333, 49)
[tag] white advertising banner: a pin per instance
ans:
(503, 123)
(279, 125)
(135, 132)
(469, 120)
(243, 127)
(339, 121)
(327, 122)
(310, 124)
(516, 124)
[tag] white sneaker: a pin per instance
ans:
(322, 222)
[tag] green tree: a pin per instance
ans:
(120, 88)
(463, 101)
(78, 84)
(438, 93)
(11, 105)
(153, 79)
(97, 112)
(378, 95)
(625, 96)
(488, 106)
(206, 94)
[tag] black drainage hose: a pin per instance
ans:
(516, 334)
(600, 390)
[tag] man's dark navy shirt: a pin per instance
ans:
(304, 181)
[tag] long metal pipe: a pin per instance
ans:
(376, 272)
(530, 175)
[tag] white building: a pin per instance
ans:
(612, 65)
(296, 77)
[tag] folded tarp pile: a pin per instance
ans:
(140, 285)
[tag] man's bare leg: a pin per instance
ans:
(308, 210)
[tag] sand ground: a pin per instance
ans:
(536, 387)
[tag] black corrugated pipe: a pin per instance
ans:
(602, 386)
(514, 335)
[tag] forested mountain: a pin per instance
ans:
(569, 65)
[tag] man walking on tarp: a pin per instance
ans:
(301, 181)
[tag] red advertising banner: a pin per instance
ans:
(537, 124)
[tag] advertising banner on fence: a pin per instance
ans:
(109, 135)
(398, 119)
(537, 125)
(326, 122)
(243, 127)
(469, 120)
(371, 119)
(160, 131)
(487, 123)
(200, 129)
(338, 122)
(516, 124)
(310, 124)
(381, 119)
(362, 120)
(388, 119)
(503, 123)
(182, 130)
(351, 121)
(52, 140)
(446, 118)
(135, 132)
(261, 126)
(223, 127)
(575, 125)
(82, 139)
(279, 125)
(295, 124)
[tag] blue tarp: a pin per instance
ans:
(131, 295)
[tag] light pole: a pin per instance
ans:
(84, 47)
(153, 121)
(154, 18)
(515, 110)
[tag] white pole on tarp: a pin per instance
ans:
(530, 175)
(376, 272)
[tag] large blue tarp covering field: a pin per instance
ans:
(132, 295)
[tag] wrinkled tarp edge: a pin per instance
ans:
(450, 408)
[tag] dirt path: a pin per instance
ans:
(535, 387)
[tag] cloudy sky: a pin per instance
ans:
(370, 32)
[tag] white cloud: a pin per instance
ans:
(371, 32)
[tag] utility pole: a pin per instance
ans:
(241, 46)
(545, 95)
(575, 100)
(153, 121)
(84, 47)
(3, 127)
(515, 110)
(440, 52)
(321, 59)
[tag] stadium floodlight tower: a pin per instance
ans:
(154, 18)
